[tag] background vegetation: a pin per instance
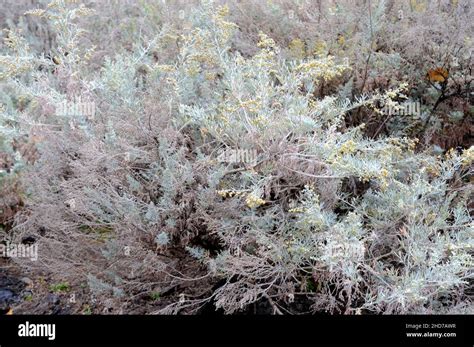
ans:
(345, 210)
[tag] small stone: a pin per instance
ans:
(53, 299)
(6, 296)
(27, 281)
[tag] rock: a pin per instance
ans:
(6, 296)
(53, 299)
(27, 281)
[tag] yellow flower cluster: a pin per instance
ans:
(13, 65)
(193, 69)
(391, 94)
(322, 68)
(265, 42)
(384, 173)
(82, 11)
(320, 48)
(451, 154)
(341, 40)
(251, 105)
(253, 201)
(430, 218)
(418, 5)
(223, 118)
(210, 76)
(54, 4)
(13, 40)
(204, 53)
(15, 68)
(467, 156)
(300, 250)
(383, 176)
(260, 121)
(229, 193)
(226, 28)
(297, 49)
(348, 147)
(164, 68)
(265, 59)
(89, 53)
(433, 170)
(366, 177)
(399, 145)
(297, 210)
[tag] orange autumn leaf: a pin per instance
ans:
(437, 75)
